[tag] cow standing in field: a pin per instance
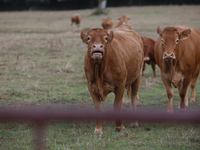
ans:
(123, 20)
(177, 53)
(112, 63)
(76, 18)
(149, 54)
(106, 23)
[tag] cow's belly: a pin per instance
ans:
(108, 88)
(103, 90)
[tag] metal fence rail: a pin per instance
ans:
(41, 116)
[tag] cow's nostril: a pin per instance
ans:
(169, 56)
(98, 46)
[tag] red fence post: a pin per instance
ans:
(39, 135)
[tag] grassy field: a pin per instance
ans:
(41, 65)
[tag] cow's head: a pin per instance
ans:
(107, 20)
(170, 38)
(123, 20)
(97, 40)
(147, 52)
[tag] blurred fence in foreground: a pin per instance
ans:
(42, 116)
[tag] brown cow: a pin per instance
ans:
(125, 21)
(177, 53)
(76, 18)
(112, 63)
(149, 53)
(106, 23)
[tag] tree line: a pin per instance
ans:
(9, 5)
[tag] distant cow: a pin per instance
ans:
(106, 23)
(76, 18)
(177, 53)
(112, 63)
(149, 53)
(124, 20)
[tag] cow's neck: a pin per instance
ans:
(98, 69)
(172, 66)
(173, 72)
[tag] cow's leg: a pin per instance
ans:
(183, 94)
(154, 70)
(143, 68)
(170, 93)
(192, 85)
(119, 91)
(186, 97)
(97, 107)
(192, 95)
(134, 99)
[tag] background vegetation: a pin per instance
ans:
(41, 65)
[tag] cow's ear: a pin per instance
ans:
(184, 34)
(84, 37)
(128, 18)
(159, 31)
(110, 36)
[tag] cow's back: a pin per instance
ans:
(192, 48)
(147, 40)
(126, 52)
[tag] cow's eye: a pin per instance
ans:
(88, 38)
(106, 38)
(163, 42)
(177, 41)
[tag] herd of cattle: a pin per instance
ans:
(115, 60)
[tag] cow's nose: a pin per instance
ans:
(98, 46)
(169, 55)
(146, 58)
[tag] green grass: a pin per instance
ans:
(41, 64)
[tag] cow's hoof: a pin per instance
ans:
(134, 125)
(98, 131)
(118, 129)
(192, 100)
(183, 109)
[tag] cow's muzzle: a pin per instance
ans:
(146, 59)
(169, 56)
(97, 51)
